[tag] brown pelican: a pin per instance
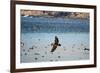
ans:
(55, 44)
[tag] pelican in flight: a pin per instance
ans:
(55, 44)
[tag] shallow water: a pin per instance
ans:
(36, 47)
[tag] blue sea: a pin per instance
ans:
(53, 25)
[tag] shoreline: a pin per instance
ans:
(66, 17)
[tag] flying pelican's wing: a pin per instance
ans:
(53, 48)
(56, 40)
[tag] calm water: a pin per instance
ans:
(53, 25)
(37, 36)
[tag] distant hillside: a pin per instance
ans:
(54, 14)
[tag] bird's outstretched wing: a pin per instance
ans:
(53, 48)
(56, 40)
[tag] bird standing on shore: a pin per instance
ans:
(55, 44)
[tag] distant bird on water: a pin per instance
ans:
(55, 44)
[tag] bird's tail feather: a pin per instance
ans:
(53, 49)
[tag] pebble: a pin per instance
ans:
(36, 58)
(37, 54)
(51, 60)
(31, 48)
(43, 56)
(25, 53)
(23, 50)
(58, 56)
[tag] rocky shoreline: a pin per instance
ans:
(55, 14)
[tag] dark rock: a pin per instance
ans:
(58, 56)
(87, 49)
(23, 50)
(25, 54)
(37, 54)
(51, 60)
(42, 56)
(36, 58)
(22, 44)
(31, 48)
